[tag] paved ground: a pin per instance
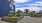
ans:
(4, 22)
(27, 19)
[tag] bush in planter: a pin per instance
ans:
(17, 15)
(35, 15)
(10, 15)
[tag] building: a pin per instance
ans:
(12, 6)
(5, 7)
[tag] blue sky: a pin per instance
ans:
(32, 5)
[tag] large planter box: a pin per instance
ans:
(12, 19)
(9, 19)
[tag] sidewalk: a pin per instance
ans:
(27, 19)
(3, 21)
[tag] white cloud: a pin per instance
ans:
(34, 5)
(17, 5)
(30, 8)
(39, 3)
(21, 1)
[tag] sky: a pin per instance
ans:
(32, 5)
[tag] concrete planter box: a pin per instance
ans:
(9, 19)
(12, 19)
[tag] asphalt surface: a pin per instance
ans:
(27, 19)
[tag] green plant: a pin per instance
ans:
(17, 15)
(18, 11)
(26, 11)
(10, 15)
(33, 13)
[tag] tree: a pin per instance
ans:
(33, 13)
(18, 13)
(26, 11)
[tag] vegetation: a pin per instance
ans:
(26, 11)
(18, 13)
(10, 15)
(34, 14)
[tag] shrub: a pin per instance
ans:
(17, 15)
(35, 15)
(10, 15)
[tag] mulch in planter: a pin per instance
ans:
(14, 20)
(9, 19)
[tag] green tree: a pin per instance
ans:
(18, 13)
(26, 11)
(33, 13)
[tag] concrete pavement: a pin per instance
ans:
(27, 19)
